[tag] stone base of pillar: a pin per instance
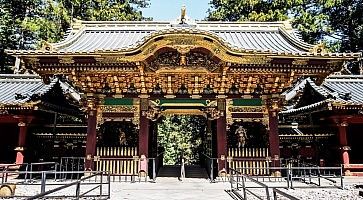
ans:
(19, 158)
(347, 173)
(276, 174)
(19, 155)
(222, 173)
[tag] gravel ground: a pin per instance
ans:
(350, 192)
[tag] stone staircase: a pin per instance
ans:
(195, 171)
(191, 171)
(169, 171)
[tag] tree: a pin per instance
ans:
(346, 20)
(177, 134)
(105, 10)
(254, 10)
(26, 24)
(337, 23)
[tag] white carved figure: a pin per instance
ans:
(242, 136)
(122, 137)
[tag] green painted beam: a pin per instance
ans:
(182, 101)
(247, 102)
(118, 101)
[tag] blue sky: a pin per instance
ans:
(170, 9)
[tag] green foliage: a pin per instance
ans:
(177, 134)
(254, 10)
(26, 24)
(346, 19)
(338, 23)
(105, 10)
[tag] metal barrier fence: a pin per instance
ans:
(318, 176)
(238, 183)
(155, 164)
(291, 177)
(10, 170)
(37, 188)
(121, 169)
(284, 194)
(71, 164)
(210, 166)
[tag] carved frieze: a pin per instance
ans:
(177, 40)
(171, 58)
(118, 109)
(66, 60)
(246, 109)
(189, 60)
(257, 60)
(300, 61)
(33, 61)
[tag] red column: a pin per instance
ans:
(21, 142)
(274, 140)
(91, 139)
(144, 128)
(344, 142)
(222, 135)
(144, 136)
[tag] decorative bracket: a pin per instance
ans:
(214, 113)
(153, 114)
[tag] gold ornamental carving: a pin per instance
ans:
(183, 42)
(33, 61)
(264, 121)
(300, 61)
(337, 62)
(153, 114)
(21, 124)
(257, 60)
(66, 60)
(319, 48)
(221, 104)
(191, 40)
(107, 59)
(144, 104)
(118, 109)
(46, 46)
(100, 120)
(19, 149)
(246, 109)
(4, 112)
(274, 103)
(214, 113)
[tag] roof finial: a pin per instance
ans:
(183, 14)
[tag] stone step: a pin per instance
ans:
(169, 171)
(195, 172)
(191, 171)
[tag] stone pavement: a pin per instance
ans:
(170, 189)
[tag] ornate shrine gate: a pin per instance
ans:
(136, 71)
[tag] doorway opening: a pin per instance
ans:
(181, 138)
